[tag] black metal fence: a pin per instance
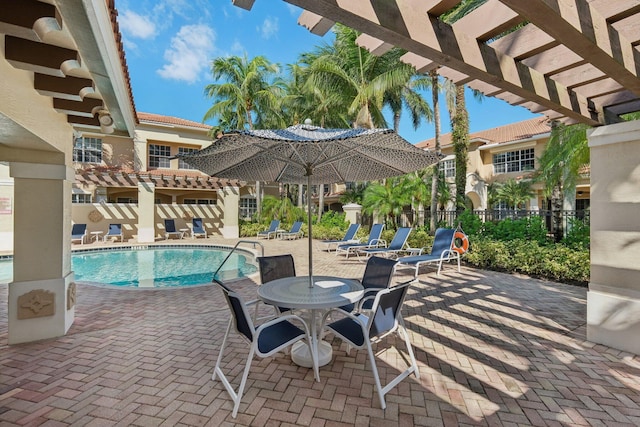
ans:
(449, 218)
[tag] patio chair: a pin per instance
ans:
(170, 229)
(349, 237)
(442, 250)
(276, 267)
(272, 231)
(198, 228)
(294, 233)
(264, 340)
(115, 230)
(79, 232)
(377, 275)
(360, 331)
(372, 242)
(395, 247)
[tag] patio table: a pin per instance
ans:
(327, 292)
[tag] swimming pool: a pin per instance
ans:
(153, 266)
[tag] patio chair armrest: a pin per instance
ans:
(283, 318)
(378, 242)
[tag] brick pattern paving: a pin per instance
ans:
(493, 349)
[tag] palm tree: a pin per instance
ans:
(566, 153)
(515, 193)
(281, 208)
(247, 97)
(361, 83)
(388, 199)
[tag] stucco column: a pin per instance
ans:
(229, 198)
(613, 299)
(352, 213)
(42, 294)
(146, 212)
(139, 152)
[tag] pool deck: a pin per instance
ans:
(493, 349)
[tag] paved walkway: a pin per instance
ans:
(493, 349)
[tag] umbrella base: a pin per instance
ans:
(300, 354)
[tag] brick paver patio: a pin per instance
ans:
(493, 349)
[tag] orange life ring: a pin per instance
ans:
(460, 242)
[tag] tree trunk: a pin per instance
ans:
(556, 212)
(435, 91)
(460, 136)
(320, 201)
(259, 198)
(300, 199)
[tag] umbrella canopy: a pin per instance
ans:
(305, 154)
(329, 155)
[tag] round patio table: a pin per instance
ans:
(327, 292)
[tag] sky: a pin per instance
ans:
(169, 46)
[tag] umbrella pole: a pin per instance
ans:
(310, 239)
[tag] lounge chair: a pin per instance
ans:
(115, 230)
(349, 237)
(170, 229)
(79, 232)
(272, 231)
(442, 250)
(198, 228)
(372, 242)
(294, 233)
(395, 247)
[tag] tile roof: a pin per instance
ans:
(499, 135)
(168, 120)
(113, 12)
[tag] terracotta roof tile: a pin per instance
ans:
(168, 120)
(499, 135)
(123, 60)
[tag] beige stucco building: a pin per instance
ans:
(508, 152)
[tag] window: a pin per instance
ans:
(248, 207)
(80, 198)
(159, 156)
(448, 168)
(87, 150)
(514, 161)
(184, 150)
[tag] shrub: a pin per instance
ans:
(578, 236)
(555, 262)
(532, 229)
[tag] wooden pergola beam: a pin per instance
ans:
(585, 31)
(402, 25)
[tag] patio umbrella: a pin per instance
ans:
(305, 154)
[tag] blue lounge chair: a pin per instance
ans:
(115, 230)
(442, 250)
(294, 233)
(198, 228)
(170, 229)
(372, 242)
(79, 232)
(349, 237)
(395, 247)
(272, 231)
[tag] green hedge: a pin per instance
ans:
(556, 262)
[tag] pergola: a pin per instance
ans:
(571, 60)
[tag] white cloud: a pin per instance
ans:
(237, 47)
(137, 26)
(269, 27)
(190, 52)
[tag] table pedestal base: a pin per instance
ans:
(301, 356)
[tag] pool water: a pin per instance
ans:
(153, 267)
